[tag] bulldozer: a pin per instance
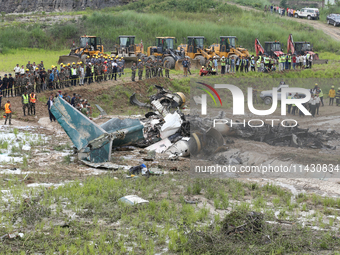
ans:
(195, 50)
(165, 50)
(227, 48)
(88, 46)
(300, 47)
(127, 49)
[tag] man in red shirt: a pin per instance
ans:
(294, 61)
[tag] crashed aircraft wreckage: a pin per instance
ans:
(94, 142)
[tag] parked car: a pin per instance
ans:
(309, 13)
(333, 19)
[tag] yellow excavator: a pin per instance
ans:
(88, 46)
(227, 48)
(127, 49)
(194, 49)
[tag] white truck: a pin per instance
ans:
(267, 95)
(309, 13)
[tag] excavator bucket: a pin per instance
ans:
(130, 60)
(65, 59)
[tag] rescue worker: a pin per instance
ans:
(114, 70)
(17, 85)
(61, 78)
(73, 75)
(289, 61)
(140, 67)
(294, 106)
(37, 82)
(331, 95)
(8, 112)
(133, 71)
(120, 67)
(4, 85)
(160, 68)
(25, 101)
(215, 64)
(154, 68)
(320, 95)
(317, 101)
(81, 75)
(337, 97)
(289, 105)
(147, 69)
(189, 65)
(33, 100)
(227, 65)
(10, 85)
(185, 67)
(252, 63)
(312, 105)
(223, 65)
(167, 68)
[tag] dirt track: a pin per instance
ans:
(332, 31)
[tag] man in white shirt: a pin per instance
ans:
(312, 103)
(317, 103)
(114, 69)
(17, 69)
(304, 61)
(22, 70)
(81, 75)
(34, 66)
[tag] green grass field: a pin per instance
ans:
(21, 56)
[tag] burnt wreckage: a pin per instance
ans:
(273, 135)
(167, 129)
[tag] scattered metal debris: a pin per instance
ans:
(102, 112)
(133, 199)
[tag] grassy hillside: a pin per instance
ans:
(148, 19)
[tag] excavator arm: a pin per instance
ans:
(290, 44)
(258, 47)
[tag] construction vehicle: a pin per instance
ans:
(195, 50)
(227, 48)
(165, 50)
(300, 48)
(88, 46)
(271, 49)
(127, 49)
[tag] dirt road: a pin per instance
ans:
(332, 31)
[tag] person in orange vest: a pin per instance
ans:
(8, 112)
(33, 100)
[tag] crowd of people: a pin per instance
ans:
(76, 101)
(289, 12)
(316, 101)
(262, 63)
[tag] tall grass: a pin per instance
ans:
(150, 18)
(233, 21)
